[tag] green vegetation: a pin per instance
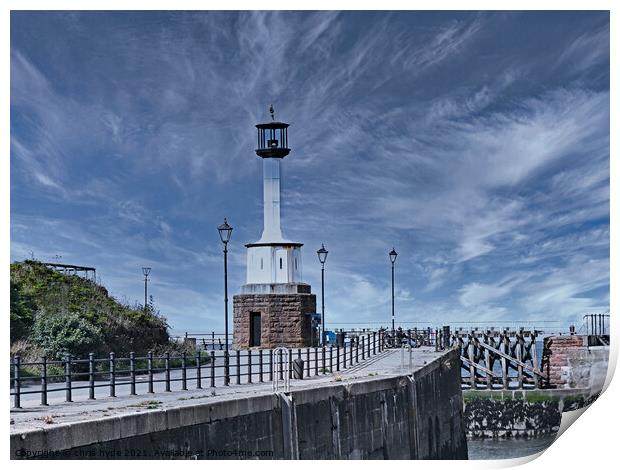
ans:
(53, 314)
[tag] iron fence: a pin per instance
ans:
(202, 370)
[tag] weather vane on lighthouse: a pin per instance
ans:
(273, 275)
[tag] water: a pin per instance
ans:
(492, 449)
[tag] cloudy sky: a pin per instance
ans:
(476, 144)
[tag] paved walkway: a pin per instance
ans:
(32, 415)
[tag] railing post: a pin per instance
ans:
(149, 366)
(91, 376)
(198, 370)
(357, 350)
(271, 365)
(374, 343)
(68, 378)
(213, 340)
(249, 366)
(213, 368)
(167, 367)
(132, 372)
(368, 345)
(238, 356)
(184, 371)
(351, 352)
(112, 375)
(337, 358)
(16, 382)
(281, 364)
(363, 349)
(331, 360)
(308, 362)
(260, 365)
(323, 358)
(290, 363)
(44, 380)
(316, 361)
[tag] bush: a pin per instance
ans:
(59, 333)
(63, 313)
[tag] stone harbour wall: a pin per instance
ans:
(571, 364)
(401, 417)
(285, 319)
(513, 413)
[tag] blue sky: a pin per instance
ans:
(476, 144)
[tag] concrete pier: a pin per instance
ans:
(385, 409)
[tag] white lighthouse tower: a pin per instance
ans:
(273, 262)
(274, 290)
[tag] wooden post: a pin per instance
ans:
(487, 363)
(535, 360)
(472, 369)
(505, 347)
(519, 351)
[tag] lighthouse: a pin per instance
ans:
(274, 306)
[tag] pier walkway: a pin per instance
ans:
(35, 416)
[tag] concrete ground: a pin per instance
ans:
(32, 415)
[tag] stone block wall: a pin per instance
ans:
(497, 414)
(285, 319)
(555, 360)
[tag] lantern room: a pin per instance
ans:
(272, 138)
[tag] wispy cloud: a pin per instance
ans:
(484, 163)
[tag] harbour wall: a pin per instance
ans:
(417, 416)
(575, 377)
(500, 414)
(570, 363)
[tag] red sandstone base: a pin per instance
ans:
(283, 319)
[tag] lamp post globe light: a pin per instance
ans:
(146, 272)
(393, 256)
(225, 231)
(322, 254)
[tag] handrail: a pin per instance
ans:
(136, 374)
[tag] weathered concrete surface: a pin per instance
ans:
(513, 413)
(351, 416)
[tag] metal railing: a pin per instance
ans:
(202, 370)
(211, 341)
(596, 324)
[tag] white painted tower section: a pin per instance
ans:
(273, 259)
(271, 201)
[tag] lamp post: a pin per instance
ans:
(146, 272)
(322, 254)
(393, 256)
(225, 232)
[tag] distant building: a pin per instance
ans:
(274, 307)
